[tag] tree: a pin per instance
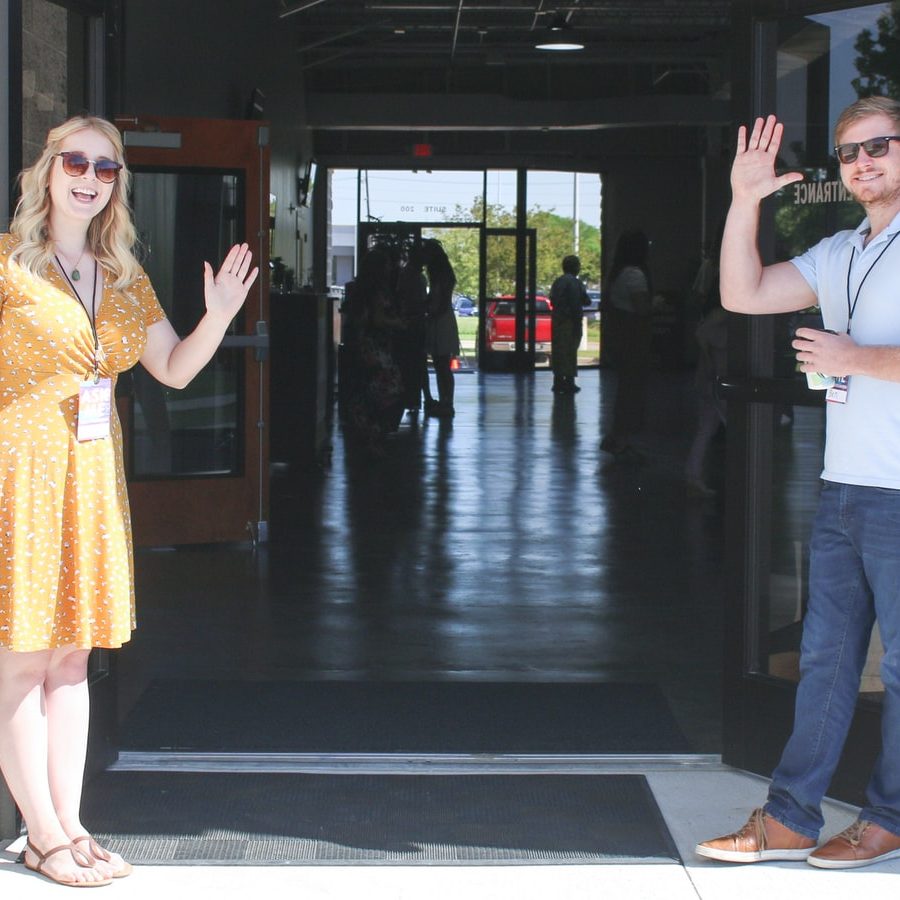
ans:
(555, 239)
(878, 62)
(798, 227)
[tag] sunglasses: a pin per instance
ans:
(76, 164)
(874, 147)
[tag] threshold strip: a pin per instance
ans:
(406, 763)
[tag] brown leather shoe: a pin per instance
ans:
(862, 844)
(762, 839)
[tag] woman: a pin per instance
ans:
(442, 332)
(76, 309)
(627, 329)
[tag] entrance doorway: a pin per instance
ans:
(514, 331)
(503, 327)
(200, 185)
(505, 260)
(809, 69)
(483, 588)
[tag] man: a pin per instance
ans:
(854, 573)
(568, 297)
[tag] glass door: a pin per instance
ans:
(197, 459)
(808, 68)
(503, 328)
(514, 332)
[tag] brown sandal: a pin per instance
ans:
(80, 857)
(101, 853)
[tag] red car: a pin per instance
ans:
(500, 325)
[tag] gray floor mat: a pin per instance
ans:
(264, 819)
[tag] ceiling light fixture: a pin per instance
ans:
(559, 44)
(559, 38)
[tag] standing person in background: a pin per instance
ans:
(627, 328)
(76, 310)
(412, 297)
(712, 342)
(442, 340)
(568, 297)
(375, 395)
(854, 565)
(711, 335)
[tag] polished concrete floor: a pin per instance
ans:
(500, 546)
(503, 546)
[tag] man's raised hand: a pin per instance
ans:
(753, 173)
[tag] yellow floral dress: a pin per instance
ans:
(66, 572)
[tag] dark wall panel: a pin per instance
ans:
(205, 60)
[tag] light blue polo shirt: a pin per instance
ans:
(862, 436)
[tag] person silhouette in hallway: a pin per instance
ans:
(375, 392)
(627, 330)
(854, 570)
(568, 298)
(711, 335)
(412, 299)
(76, 310)
(442, 332)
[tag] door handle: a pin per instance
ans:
(770, 390)
(259, 341)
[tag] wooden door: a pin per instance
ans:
(197, 459)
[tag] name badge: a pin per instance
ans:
(94, 409)
(837, 393)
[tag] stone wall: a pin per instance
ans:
(44, 73)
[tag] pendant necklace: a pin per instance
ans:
(92, 315)
(75, 274)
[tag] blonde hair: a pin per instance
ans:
(111, 234)
(863, 109)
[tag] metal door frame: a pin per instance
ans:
(758, 708)
(523, 357)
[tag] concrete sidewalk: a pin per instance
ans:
(697, 804)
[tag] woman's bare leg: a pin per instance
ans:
(25, 758)
(67, 700)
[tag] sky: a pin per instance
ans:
(421, 196)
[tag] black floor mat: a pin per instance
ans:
(411, 717)
(255, 819)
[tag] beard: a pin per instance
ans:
(883, 193)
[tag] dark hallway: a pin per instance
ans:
(503, 547)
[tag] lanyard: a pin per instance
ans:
(93, 315)
(851, 307)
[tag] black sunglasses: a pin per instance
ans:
(76, 164)
(874, 147)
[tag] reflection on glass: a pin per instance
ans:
(825, 62)
(183, 218)
(797, 464)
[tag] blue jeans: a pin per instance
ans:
(854, 577)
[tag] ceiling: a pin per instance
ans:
(470, 67)
(332, 34)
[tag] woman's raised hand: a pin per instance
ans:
(753, 173)
(226, 291)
